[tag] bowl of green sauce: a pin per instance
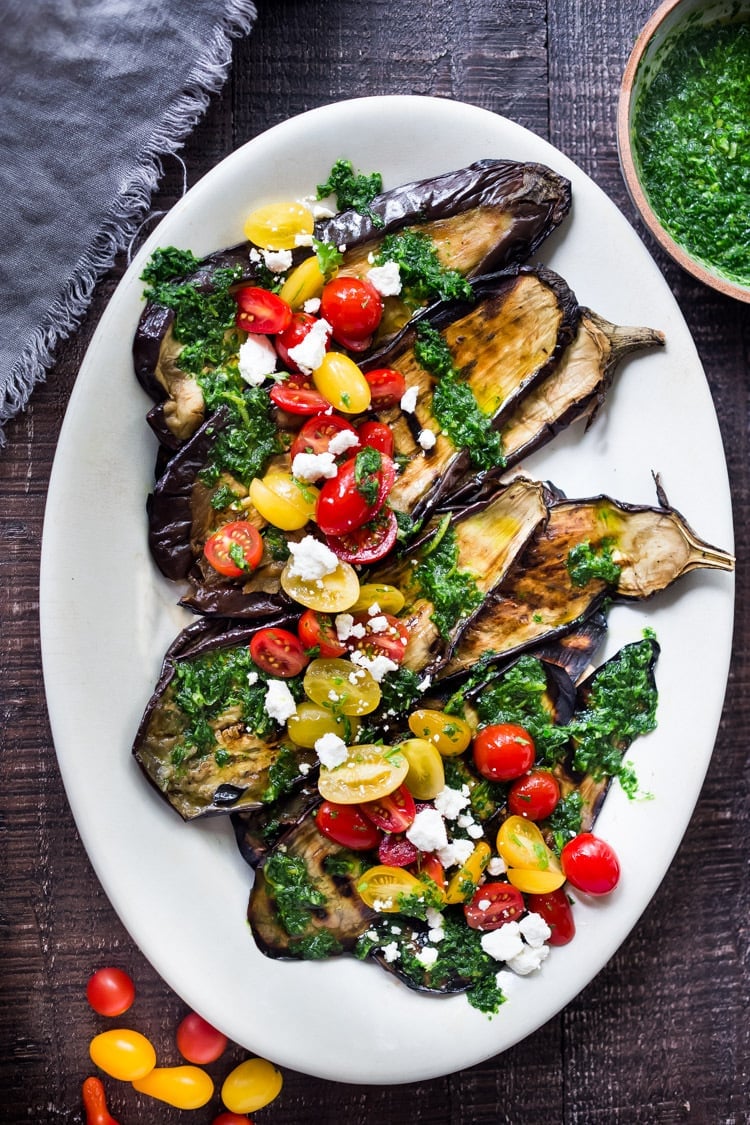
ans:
(683, 135)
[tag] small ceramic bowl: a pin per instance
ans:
(664, 25)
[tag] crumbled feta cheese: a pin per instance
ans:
(534, 929)
(320, 210)
(386, 279)
(311, 559)
(427, 831)
(373, 610)
(434, 917)
(474, 830)
(409, 400)
(391, 952)
(313, 466)
(342, 441)
(528, 960)
(304, 768)
(427, 439)
(436, 935)
(504, 943)
(484, 904)
(378, 624)
(373, 935)
(331, 750)
(334, 696)
(496, 866)
(455, 853)
(395, 929)
(424, 683)
(378, 666)
(427, 956)
(312, 306)
(346, 628)
(449, 802)
(257, 359)
(381, 904)
(252, 678)
(303, 238)
(254, 254)
(277, 261)
(310, 352)
(464, 820)
(342, 248)
(279, 701)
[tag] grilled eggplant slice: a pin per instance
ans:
(304, 902)
(256, 832)
(650, 548)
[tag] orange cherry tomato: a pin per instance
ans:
(110, 991)
(235, 549)
(198, 1041)
(185, 1087)
(250, 1086)
(95, 1103)
(122, 1053)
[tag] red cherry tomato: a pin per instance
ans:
(110, 991)
(198, 1041)
(590, 864)
(556, 911)
(428, 864)
(277, 652)
(387, 387)
(393, 813)
(95, 1103)
(300, 325)
(233, 544)
(344, 503)
(534, 796)
(315, 435)
(345, 825)
(262, 312)
(378, 436)
(353, 308)
(492, 905)
(397, 851)
(231, 1119)
(297, 395)
(503, 751)
(368, 543)
(316, 630)
(391, 642)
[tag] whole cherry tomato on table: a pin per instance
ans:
(250, 1086)
(503, 751)
(234, 549)
(556, 911)
(110, 991)
(198, 1041)
(261, 312)
(353, 308)
(535, 795)
(95, 1103)
(123, 1054)
(186, 1087)
(231, 1119)
(277, 652)
(590, 864)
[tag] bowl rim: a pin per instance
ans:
(630, 175)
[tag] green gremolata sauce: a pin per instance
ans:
(691, 130)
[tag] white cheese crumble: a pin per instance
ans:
(378, 624)
(496, 866)
(345, 627)
(373, 610)
(427, 439)
(408, 399)
(436, 935)
(310, 352)
(427, 831)
(304, 768)
(427, 956)
(534, 929)
(386, 279)
(252, 678)
(313, 466)
(528, 960)
(342, 441)
(434, 918)
(257, 359)
(455, 853)
(311, 559)
(279, 702)
(474, 830)
(312, 306)
(504, 943)
(254, 254)
(391, 952)
(424, 684)
(320, 210)
(277, 261)
(331, 750)
(378, 666)
(303, 238)
(449, 802)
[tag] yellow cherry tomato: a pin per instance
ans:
(464, 882)
(250, 1086)
(276, 226)
(450, 734)
(536, 882)
(384, 885)
(333, 593)
(342, 383)
(283, 501)
(368, 773)
(123, 1053)
(388, 599)
(311, 721)
(426, 775)
(521, 844)
(186, 1087)
(304, 283)
(340, 686)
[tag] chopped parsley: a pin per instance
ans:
(293, 891)
(329, 257)
(520, 696)
(453, 592)
(585, 563)
(423, 278)
(282, 774)
(353, 190)
(367, 466)
(276, 543)
(244, 448)
(565, 820)
(224, 497)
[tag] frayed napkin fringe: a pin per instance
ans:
(206, 78)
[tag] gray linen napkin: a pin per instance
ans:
(92, 92)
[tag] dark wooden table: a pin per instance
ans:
(661, 1035)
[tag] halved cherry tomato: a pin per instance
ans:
(393, 813)
(391, 642)
(299, 327)
(345, 825)
(297, 395)
(450, 733)
(333, 593)
(260, 311)
(344, 503)
(316, 630)
(346, 690)
(276, 226)
(387, 387)
(377, 435)
(503, 751)
(385, 885)
(428, 865)
(463, 883)
(315, 435)
(234, 549)
(368, 543)
(198, 1041)
(555, 908)
(277, 652)
(369, 772)
(353, 307)
(110, 991)
(492, 905)
(397, 851)
(590, 864)
(534, 795)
